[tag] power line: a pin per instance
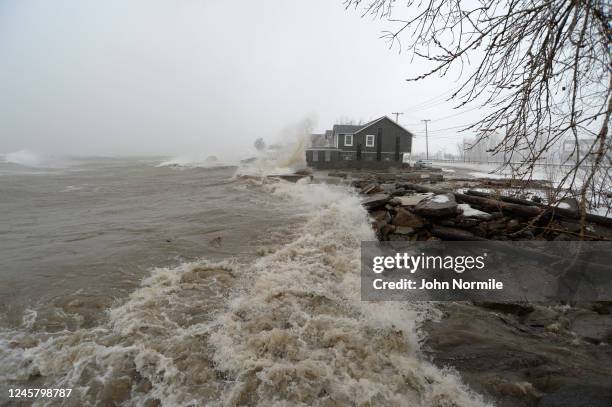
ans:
(429, 103)
(397, 114)
(457, 114)
(446, 128)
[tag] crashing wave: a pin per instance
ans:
(25, 158)
(210, 161)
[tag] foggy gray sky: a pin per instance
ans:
(147, 77)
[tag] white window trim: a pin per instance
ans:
(369, 140)
(346, 143)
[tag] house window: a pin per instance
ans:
(328, 155)
(370, 140)
(315, 155)
(348, 157)
(348, 140)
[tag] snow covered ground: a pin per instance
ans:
(553, 174)
(492, 171)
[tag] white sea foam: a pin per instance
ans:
(282, 160)
(33, 160)
(195, 161)
(26, 158)
(153, 346)
(300, 335)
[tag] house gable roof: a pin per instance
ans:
(365, 126)
(345, 128)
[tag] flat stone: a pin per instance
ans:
(408, 219)
(412, 200)
(375, 201)
(404, 230)
(437, 205)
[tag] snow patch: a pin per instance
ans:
(470, 212)
(440, 199)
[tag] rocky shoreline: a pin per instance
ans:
(514, 354)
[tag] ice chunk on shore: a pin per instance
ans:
(470, 212)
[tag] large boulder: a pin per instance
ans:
(408, 219)
(437, 205)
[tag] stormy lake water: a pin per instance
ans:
(134, 284)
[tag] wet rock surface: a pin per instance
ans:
(437, 205)
(513, 363)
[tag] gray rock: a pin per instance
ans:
(399, 192)
(388, 188)
(375, 201)
(412, 200)
(437, 205)
(408, 219)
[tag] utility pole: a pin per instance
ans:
(397, 116)
(426, 138)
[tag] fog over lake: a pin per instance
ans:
(173, 78)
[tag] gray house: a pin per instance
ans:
(380, 143)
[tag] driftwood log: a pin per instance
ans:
(514, 208)
(509, 199)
